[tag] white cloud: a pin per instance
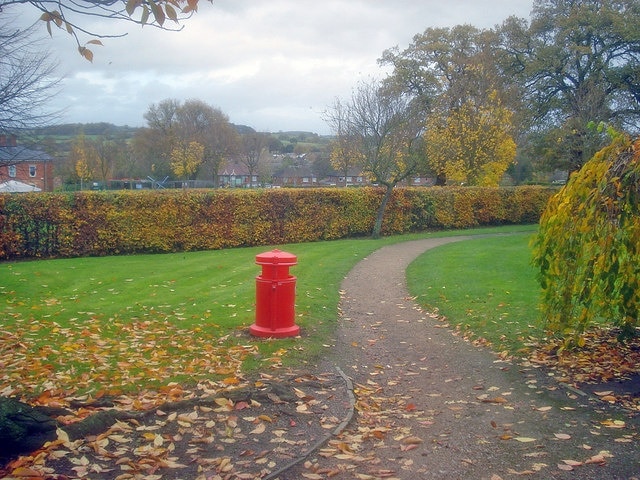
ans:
(273, 65)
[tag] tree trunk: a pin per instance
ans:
(377, 228)
(23, 428)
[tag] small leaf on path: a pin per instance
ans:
(259, 429)
(412, 440)
(523, 472)
(613, 423)
(25, 472)
(486, 399)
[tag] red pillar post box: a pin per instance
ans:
(275, 296)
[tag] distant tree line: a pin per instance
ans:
(182, 141)
(91, 129)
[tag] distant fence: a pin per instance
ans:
(140, 184)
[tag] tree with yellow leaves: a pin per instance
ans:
(471, 144)
(82, 157)
(186, 159)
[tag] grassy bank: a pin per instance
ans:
(485, 286)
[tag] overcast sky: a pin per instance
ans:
(274, 65)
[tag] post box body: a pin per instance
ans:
(275, 296)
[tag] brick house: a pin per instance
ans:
(301, 176)
(24, 169)
(236, 175)
(354, 177)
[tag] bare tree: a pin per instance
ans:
(253, 145)
(27, 83)
(27, 79)
(381, 128)
(342, 157)
(69, 15)
(153, 145)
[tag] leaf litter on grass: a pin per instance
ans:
(181, 400)
(96, 357)
(211, 431)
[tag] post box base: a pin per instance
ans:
(258, 331)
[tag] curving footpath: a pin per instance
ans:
(430, 405)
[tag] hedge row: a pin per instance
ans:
(109, 223)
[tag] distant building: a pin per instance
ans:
(419, 181)
(23, 169)
(354, 177)
(299, 176)
(236, 175)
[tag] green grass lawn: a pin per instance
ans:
(486, 286)
(128, 323)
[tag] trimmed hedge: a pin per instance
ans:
(109, 223)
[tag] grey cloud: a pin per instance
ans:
(270, 64)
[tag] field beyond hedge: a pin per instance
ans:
(42, 225)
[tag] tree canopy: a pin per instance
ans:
(456, 79)
(579, 62)
(571, 65)
(172, 126)
(449, 66)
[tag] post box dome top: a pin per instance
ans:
(276, 257)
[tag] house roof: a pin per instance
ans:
(19, 154)
(233, 168)
(13, 186)
(302, 171)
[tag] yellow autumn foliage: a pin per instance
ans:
(186, 159)
(588, 247)
(125, 222)
(471, 144)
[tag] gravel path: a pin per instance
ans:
(432, 405)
